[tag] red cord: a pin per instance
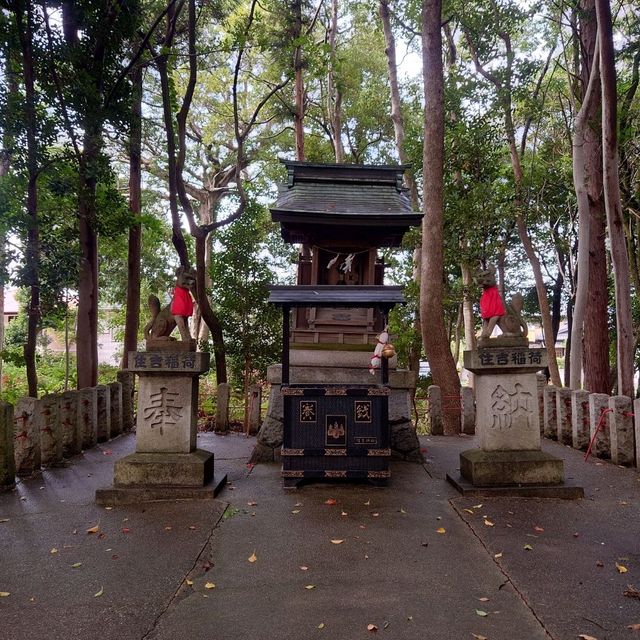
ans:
(603, 413)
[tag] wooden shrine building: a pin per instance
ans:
(341, 215)
(335, 414)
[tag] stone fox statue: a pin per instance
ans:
(494, 311)
(164, 320)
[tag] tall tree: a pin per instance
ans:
(434, 334)
(625, 343)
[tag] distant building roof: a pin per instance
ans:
(11, 305)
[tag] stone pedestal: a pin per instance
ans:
(508, 425)
(166, 464)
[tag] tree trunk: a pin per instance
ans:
(434, 335)
(334, 94)
(209, 316)
(625, 347)
(396, 103)
(132, 319)
(298, 119)
(32, 249)
(87, 327)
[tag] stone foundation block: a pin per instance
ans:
(70, 424)
(48, 423)
(193, 469)
(435, 410)
(26, 437)
(580, 419)
(563, 416)
(599, 416)
(104, 413)
(621, 431)
(7, 461)
(468, 403)
(550, 412)
(88, 416)
(504, 468)
(115, 409)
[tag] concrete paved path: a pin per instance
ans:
(510, 569)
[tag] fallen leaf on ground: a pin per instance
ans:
(477, 637)
(375, 515)
(402, 511)
(295, 511)
(631, 592)
(621, 568)
(5, 594)
(477, 506)
(386, 625)
(583, 636)
(321, 625)
(97, 595)
(483, 599)
(2, 520)
(471, 511)
(107, 452)
(167, 528)
(75, 565)
(488, 523)
(303, 568)
(527, 547)
(372, 628)
(538, 529)
(481, 613)
(409, 618)
(337, 541)
(209, 585)
(253, 557)
(125, 530)
(53, 551)
(331, 501)
(298, 504)
(252, 504)
(367, 503)
(94, 529)
(344, 513)
(634, 627)
(498, 555)
(441, 530)
(189, 583)
(599, 563)
(310, 586)
(192, 527)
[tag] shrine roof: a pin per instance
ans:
(336, 295)
(339, 195)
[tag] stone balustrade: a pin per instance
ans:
(610, 425)
(45, 432)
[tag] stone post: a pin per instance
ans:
(104, 413)
(7, 460)
(115, 389)
(550, 429)
(88, 416)
(468, 405)
(435, 410)
(580, 419)
(223, 394)
(255, 409)
(48, 422)
(166, 464)
(621, 433)
(127, 380)
(564, 416)
(70, 423)
(541, 384)
(598, 414)
(27, 437)
(636, 428)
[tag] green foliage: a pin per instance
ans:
(247, 259)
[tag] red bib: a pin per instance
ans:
(182, 304)
(491, 303)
